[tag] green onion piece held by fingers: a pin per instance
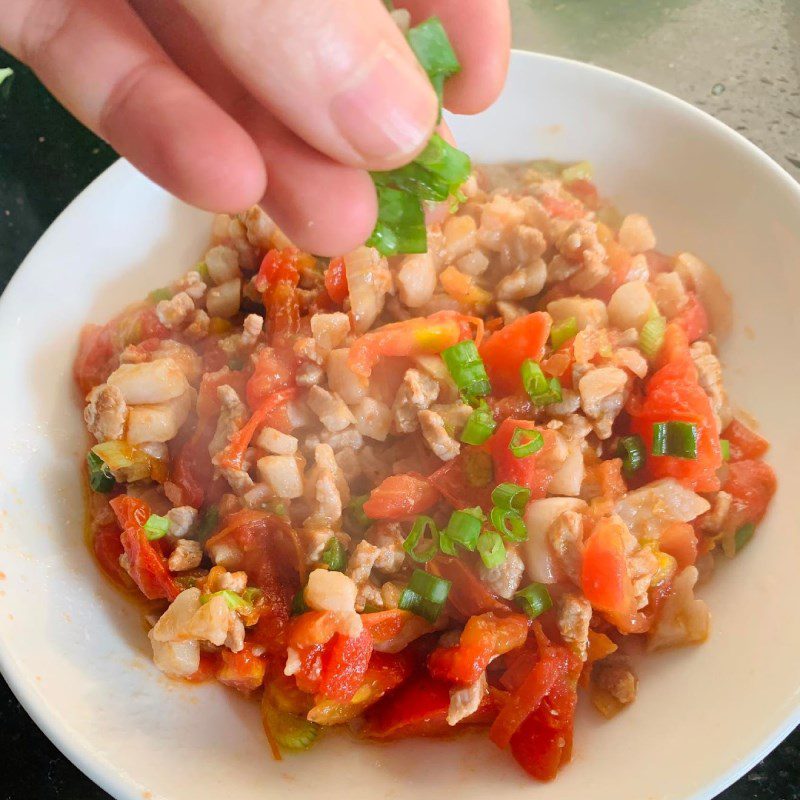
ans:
(563, 331)
(100, 477)
(467, 370)
(491, 549)
(411, 545)
(525, 442)
(509, 524)
(156, 527)
(534, 599)
(631, 450)
(425, 595)
(433, 50)
(401, 224)
(511, 496)
(480, 425)
(678, 439)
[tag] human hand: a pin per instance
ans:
(284, 102)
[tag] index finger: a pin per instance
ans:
(480, 31)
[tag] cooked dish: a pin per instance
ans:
(415, 494)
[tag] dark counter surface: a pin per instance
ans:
(46, 159)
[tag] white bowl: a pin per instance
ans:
(75, 653)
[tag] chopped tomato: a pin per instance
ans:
(208, 402)
(243, 671)
(484, 637)
(554, 663)
(107, 547)
(150, 326)
(274, 371)
(419, 708)
(344, 665)
(207, 670)
(401, 496)
(526, 471)
(604, 574)
(543, 742)
(693, 318)
(504, 351)
(679, 540)
(744, 442)
(411, 337)
(469, 595)
(312, 628)
(562, 207)
(608, 477)
(618, 260)
(336, 280)
(585, 191)
(393, 629)
(658, 262)
(560, 363)
(277, 279)
(147, 566)
(466, 481)
(130, 511)
(674, 394)
(93, 364)
(752, 484)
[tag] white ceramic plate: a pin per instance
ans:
(75, 652)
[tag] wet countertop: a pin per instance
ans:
(737, 59)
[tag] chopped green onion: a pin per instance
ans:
(525, 442)
(233, 600)
(401, 224)
(508, 523)
(425, 595)
(202, 270)
(334, 555)
(678, 439)
(743, 535)
(491, 549)
(446, 544)
(581, 170)
(251, 595)
(289, 730)
(480, 425)
(534, 599)
(434, 52)
(510, 495)
(299, 604)
(467, 370)
(207, 525)
(236, 363)
(563, 331)
(725, 449)
(156, 527)
(100, 477)
(159, 294)
(464, 528)
(651, 337)
(541, 390)
(412, 541)
(355, 511)
(631, 450)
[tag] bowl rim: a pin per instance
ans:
(83, 754)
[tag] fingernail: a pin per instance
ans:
(388, 109)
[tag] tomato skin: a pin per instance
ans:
(484, 637)
(504, 351)
(130, 511)
(604, 573)
(392, 630)
(344, 665)
(679, 540)
(452, 479)
(277, 279)
(752, 483)
(274, 370)
(336, 280)
(243, 671)
(468, 594)
(148, 567)
(107, 547)
(526, 471)
(745, 444)
(419, 708)
(401, 496)
(95, 352)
